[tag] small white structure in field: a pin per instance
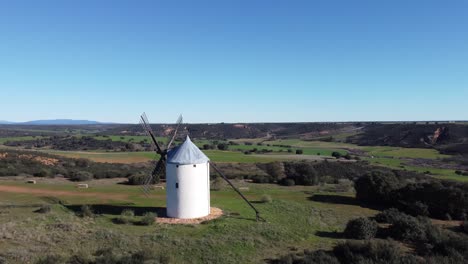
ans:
(31, 181)
(82, 186)
(187, 182)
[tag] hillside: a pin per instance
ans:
(447, 138)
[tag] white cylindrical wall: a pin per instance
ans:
(188, 190)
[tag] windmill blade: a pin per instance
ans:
(145, 123)
(148, 134)
(257, 213)
(149, 179)
(178, 122)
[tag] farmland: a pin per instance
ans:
(308, 213)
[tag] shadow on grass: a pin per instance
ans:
(117, 209)
(140, 211)
(334, 199)
(330, 234)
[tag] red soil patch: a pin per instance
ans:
(214, 213)
(35, 191)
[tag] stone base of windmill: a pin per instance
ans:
(214, 213)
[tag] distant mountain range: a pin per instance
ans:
(53, 122)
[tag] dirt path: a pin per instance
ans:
(44, 192)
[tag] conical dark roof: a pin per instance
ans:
(187, 153)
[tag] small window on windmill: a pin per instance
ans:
(177, 185)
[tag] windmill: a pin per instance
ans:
(187, 176)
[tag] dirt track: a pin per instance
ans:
(43, 192)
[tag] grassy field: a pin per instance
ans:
(298, 217)
(135, 139)
(394, 157)
(133, 157)
(397, 152)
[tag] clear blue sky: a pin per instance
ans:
(234, 61)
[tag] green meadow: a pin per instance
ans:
(298, 217)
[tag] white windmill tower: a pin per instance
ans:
(187, 176)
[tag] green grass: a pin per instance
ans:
(135, 139)
(292, 221)
(398, 152)
(397, 163)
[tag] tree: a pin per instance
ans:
(376, 187)
(81, 176)
(206, 146)
(303, 173)
(336, 154)
(274, 170)
(299, 151)
(222, 146)
(361, 228)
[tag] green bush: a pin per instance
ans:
(409, 228)
(87, 211)
(361, 228)
(137, 179)
(125, 217)
(81, 176)
(372, 251)
(148, 219)
(376, 187)
(266, 198)
(42, 173)
(336, 154)
(303, 173)
(389, 216)
(44, 209)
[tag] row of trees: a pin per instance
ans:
(15, 163)
(428, 197)
(79, 143)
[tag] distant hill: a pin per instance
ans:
(61, 122)
(54, 122)
(3, 122)
(447, 138)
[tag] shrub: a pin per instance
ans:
(417, 208)
(372, 251)
(42, 173)
(86, 211)
(137, 179)
(217, 184)
(81, 176)
(376, 187)
(222, 146)
(408, 228)
(287, 182)
(336, 154)
(44, 209)
(464, 226)
(274, 170)
(361, 228)
(299, 151)
(148, 218)
(125, 217)
(303, 173)
(389, 216)
(266, 198)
